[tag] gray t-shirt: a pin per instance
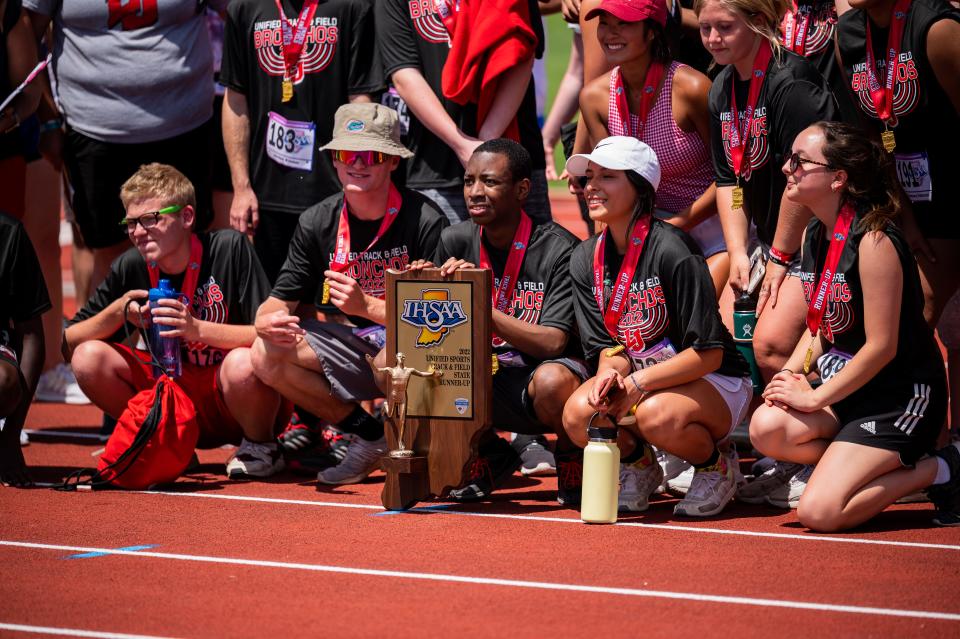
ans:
(131, 72)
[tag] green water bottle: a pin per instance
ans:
(744, 323)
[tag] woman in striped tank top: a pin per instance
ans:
(649, 96)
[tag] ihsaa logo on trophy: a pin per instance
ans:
(434, 314)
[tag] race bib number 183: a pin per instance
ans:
(289, 142)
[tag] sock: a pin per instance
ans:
(943, 472)
(640, 457)
(711, 461)
(362, 424)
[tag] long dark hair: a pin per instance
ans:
(646, 198)
(660, 43)
(872, 182)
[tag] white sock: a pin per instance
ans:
(943, 472)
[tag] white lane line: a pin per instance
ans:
(71, 632)
(570, 520)
(514, 583)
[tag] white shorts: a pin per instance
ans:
(707, 234)
(736, 392)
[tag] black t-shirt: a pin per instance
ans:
(412, 236)
(542, 294)
(794, 96)
(671, 302)
(339, 59)
(411, 35)
(23, 293)
(917, 360)
(927, 127)
(230, 287)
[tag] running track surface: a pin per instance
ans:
(206, 557)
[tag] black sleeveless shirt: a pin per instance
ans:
(927, 127)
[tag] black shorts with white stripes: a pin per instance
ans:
(906, 419)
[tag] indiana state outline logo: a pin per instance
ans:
(435, 314)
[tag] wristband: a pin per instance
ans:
(780, 258)
(786, 370)
(634, 380)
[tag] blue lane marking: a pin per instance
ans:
(415, 511)
(87, 555)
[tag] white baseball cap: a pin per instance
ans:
(621, 153)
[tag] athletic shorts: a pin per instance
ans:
(736, 392)
(707, 234)
(513, 408)
(340, 349)
(97, 170)
(906, 420)
(217, 425)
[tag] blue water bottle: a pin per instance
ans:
(165, 349)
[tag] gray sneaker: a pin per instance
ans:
(710, 492)
(788, 495)
(636, 486)
(361, 459)
(672, 467)
(773, 478)
(255, 459)
(536, 458)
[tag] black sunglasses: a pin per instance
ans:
(795, 161)
(149, 220)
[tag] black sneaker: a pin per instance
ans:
(569, 477)
(495, 462)
(536, 458)
(946, 497)
(329, 450)
(301, 433)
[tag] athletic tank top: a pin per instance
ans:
(685, 166)
(926, 125)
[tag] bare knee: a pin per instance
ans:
(265, 361)
(90, 361)
(768, 429)
(820, 512)
(237, 369)
(656, 421)
(550, 387)
(576, 414)
(11, 391)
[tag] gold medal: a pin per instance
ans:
(809, 356)
(889, 141)
(325, 299)
(737, 197)
(287, 91)
(614, 350)
(495, 366)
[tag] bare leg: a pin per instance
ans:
(719, 265)
(102, 259)
(221, 209)
(793, 436)
(852, 483)
(81, 259)
(552, 384)
(252, 403)
(13, 407)
(939, 279)
(104, 375)
(779, 328)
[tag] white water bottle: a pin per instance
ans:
(601, 474)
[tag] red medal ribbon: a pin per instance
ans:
(738, 143)
(796, 23)
(518, 248)
(882, 96)
(818, 302)
(293, 41)
(652, 80)
(189, 286)
(618, 297)
(340, 262)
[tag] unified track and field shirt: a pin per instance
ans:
(339, 59)
(131, 72)
(230, 288)
(412, 236)
(23, 293)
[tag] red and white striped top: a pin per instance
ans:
(686, 170)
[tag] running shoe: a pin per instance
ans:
(59, 385)
(24, 438)
(711, 490)
(774, 478)
(680, 485)
(255, 459)
(639, 480)
(300, 434)
(329, 450)
(946, 497)
(761, 466)
(496, 461)
(535, 457)
(788, 495)
(672, 467)
(362, 458)
(569, 477)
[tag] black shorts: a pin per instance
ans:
(512, 407)
(906, 420)
(97, 170)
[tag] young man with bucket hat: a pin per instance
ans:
(344, 245)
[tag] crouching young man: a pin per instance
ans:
(224, 284)
(538, 365)
(345, 244)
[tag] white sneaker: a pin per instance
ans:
(636, 486)
(672, 467)
(362, 458)
(710, 491)
(788, 494)
(59, 385)
(772, 479)
(24, 439)
(255, 459)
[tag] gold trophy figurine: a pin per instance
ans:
(396, 404)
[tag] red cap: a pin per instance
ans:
(633, 10)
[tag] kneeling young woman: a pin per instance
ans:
(882, 398)
(648, 316)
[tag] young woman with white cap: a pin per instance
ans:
(648, 318)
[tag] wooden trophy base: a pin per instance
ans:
(407, 482)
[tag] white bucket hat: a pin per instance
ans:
(621, 153)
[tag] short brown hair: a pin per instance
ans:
(161, 181)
